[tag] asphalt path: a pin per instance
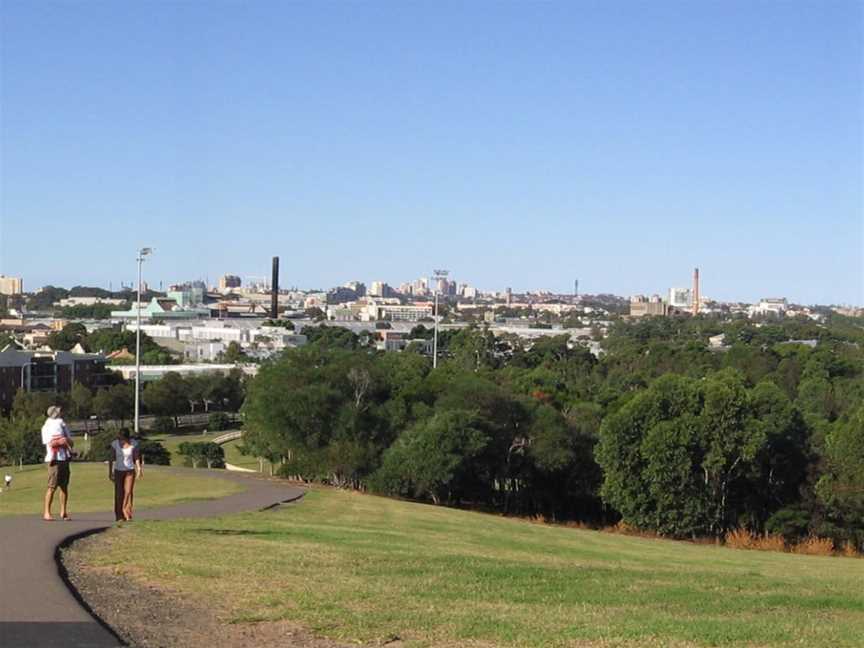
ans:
(37, 607)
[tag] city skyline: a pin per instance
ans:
(523, 147)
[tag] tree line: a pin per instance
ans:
(167, 399)
(661, 431)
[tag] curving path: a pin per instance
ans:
(37, 609)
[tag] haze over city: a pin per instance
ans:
(621, 144)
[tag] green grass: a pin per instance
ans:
(362, 568)
(90, 490)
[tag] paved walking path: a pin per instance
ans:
(37, 609)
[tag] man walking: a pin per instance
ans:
(58, 453)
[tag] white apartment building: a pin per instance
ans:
(769, 306)
(155, 330)
(221, 333)
(378, 289)
(398, 313)
(11, 285)
(680, 298)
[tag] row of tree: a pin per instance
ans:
(169, 398)
(661, 430)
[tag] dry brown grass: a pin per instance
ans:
(815, 546)
(850, 550)
(770, 542)
(623, 528)
(744, 539)
(740, 539)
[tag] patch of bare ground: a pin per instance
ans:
(150, 616)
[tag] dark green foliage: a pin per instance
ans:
(163, 425)
(202, 454)
(218, 421)
(689, 458)
(153, 452)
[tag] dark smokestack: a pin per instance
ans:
(274, 290)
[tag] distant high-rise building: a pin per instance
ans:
(421, 287)
(379, 289)
(509, 296)
(467, 292)
(11, 285)
(357, 286)
(226, 282)
(576, 288)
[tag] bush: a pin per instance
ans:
(164, 425)
(791, 523)
(218, 421)
(154, 453)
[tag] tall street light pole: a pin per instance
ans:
(143, 252)
(439, 275)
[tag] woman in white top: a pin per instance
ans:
(124, 467)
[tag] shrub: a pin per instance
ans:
(218, 421)
(163, 425)
(815, 546)
(792, 523)
(154, 452)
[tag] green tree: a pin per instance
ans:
(167, 396)
(115, 402)
(20, 440)
(71, 334)
(80, 401)
(432, 458)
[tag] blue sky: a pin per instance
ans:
(519, 144)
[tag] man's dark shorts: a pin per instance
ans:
(58, 474)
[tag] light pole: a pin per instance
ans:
(143, 252)
(439, 275)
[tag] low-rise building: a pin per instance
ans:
(769, 306)
(640, 306)
(48, 371)
(160, 308)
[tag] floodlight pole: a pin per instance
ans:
(438, 274)
(143, 252)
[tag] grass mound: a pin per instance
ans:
(363, 568)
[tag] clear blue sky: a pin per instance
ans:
(519, 144)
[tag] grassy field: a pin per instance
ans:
(363, 568)
(90, 490)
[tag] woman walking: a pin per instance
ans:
(125, 466)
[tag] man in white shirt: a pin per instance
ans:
(58, 452)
